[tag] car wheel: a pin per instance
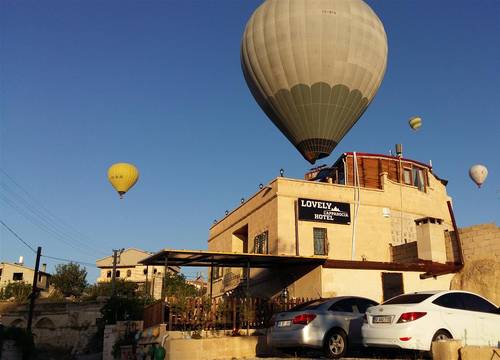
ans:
(442, 335)
(335, 344)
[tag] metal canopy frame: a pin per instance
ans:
(170, 257)
(228, 259)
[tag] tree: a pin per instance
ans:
(18, 290)
(70, 279)
(175, 285)
(123, 288)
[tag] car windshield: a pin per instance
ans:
(407, 299)
(310, 305)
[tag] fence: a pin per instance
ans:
(218, 314)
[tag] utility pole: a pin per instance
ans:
(34, 289)
(116, 253)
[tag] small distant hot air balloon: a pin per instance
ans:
(122, 177)
(314, 67)
(478, 174)
(415, 122)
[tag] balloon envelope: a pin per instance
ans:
(478, 174)
(415, 122)
(122, 177)
(313, 67)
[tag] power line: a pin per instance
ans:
(33, 219)
(45, 256)
(69, 261)
(43, 216)
(17, 236)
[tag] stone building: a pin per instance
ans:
(17, 272)
(379, 222)
(128, 268)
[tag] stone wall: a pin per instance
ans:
(69, 326)
(481, 272)
(481, 242)
(405, 253)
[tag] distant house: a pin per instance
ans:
(129, 269)
(199, 283)
(17, 272)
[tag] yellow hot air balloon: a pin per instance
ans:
(415, 122)
(122, 177)
(313, 67)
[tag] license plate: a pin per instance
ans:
(382, 319)
(284, 323)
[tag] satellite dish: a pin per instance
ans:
(314, 67)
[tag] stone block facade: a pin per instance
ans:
(481, 272)
(405, 253)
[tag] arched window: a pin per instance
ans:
(108, 274)
(117, 273)
(129, 273)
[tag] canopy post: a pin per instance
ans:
(247, 297)
(146, 285)
(164, 290)
(211, 279)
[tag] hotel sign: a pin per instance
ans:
(324, 211)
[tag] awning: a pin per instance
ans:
(228, 259)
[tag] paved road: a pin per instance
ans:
(379, 354)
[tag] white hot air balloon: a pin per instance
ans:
(478, 174)
(313, 66)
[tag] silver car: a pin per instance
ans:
(332, 324)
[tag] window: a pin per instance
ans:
(408, 299)
(260, 243)
(418, 178)
(476, 303)
(345, 305)
(217, 272)
(145, 271)
(108, 274)
(464, 301)
(407, 176)
(17, 276)
(320, 241)
(452, 301)
(155, 271)
(364, 304)
(117, 273)
(392, 285)
(309, 305)
(1, 272)
(129, 273)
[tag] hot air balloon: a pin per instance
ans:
(415, 122)
(478, 174)
(313, 67)
(122, 177)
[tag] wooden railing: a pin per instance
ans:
(218, 314)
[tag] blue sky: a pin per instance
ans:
(85, 84)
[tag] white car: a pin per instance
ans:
(414, 321)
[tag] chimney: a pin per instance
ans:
(399, 150)
(21, 260)
(44, 267)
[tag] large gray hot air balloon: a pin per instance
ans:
(314, 66)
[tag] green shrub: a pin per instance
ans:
(18, 290)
